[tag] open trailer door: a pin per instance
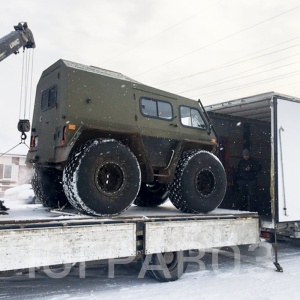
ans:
(286, 158)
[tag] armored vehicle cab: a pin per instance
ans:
(101, 141)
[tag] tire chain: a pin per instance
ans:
(38, 189)
(70, 167)
(175, 189)
(36, 186)
(68, 174)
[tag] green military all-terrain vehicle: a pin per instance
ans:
(102, 141)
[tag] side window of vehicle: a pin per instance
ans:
(49, 98)
(148, 107)
(191, 117)
(164, 110)
(156, 109)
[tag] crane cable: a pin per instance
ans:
(26, 90)
(26, 79)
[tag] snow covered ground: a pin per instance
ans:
(219, 275)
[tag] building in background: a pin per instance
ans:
(13, 171)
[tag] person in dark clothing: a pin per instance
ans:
(3, 208)
(247, 181)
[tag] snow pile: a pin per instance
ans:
(22, 193)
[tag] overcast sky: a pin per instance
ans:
(214, 50)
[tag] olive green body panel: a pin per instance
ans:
(75, 103)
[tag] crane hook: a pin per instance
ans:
(23, 126)
(23, 136)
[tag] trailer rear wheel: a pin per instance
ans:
(102, 178)
(168, 266)
(47, 186)
(152, 195)
(199, 184)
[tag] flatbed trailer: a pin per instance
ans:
(32, 237)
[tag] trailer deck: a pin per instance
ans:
(36, 213)
(31, 236)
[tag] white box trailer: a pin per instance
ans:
(268, 124)
(40, 238)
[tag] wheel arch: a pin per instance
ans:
(133, 141)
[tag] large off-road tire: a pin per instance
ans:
(168, 266)
(199, 184)
(102, 178)
(47, 186)
(152, 195)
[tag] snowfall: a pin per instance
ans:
(247, 272)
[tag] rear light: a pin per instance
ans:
(72, 127)
(34, 141)
(265, 234)
(64, 136)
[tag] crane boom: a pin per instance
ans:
(11, 43)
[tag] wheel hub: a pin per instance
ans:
(169, 258)
(109, 178)
(205, 182)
